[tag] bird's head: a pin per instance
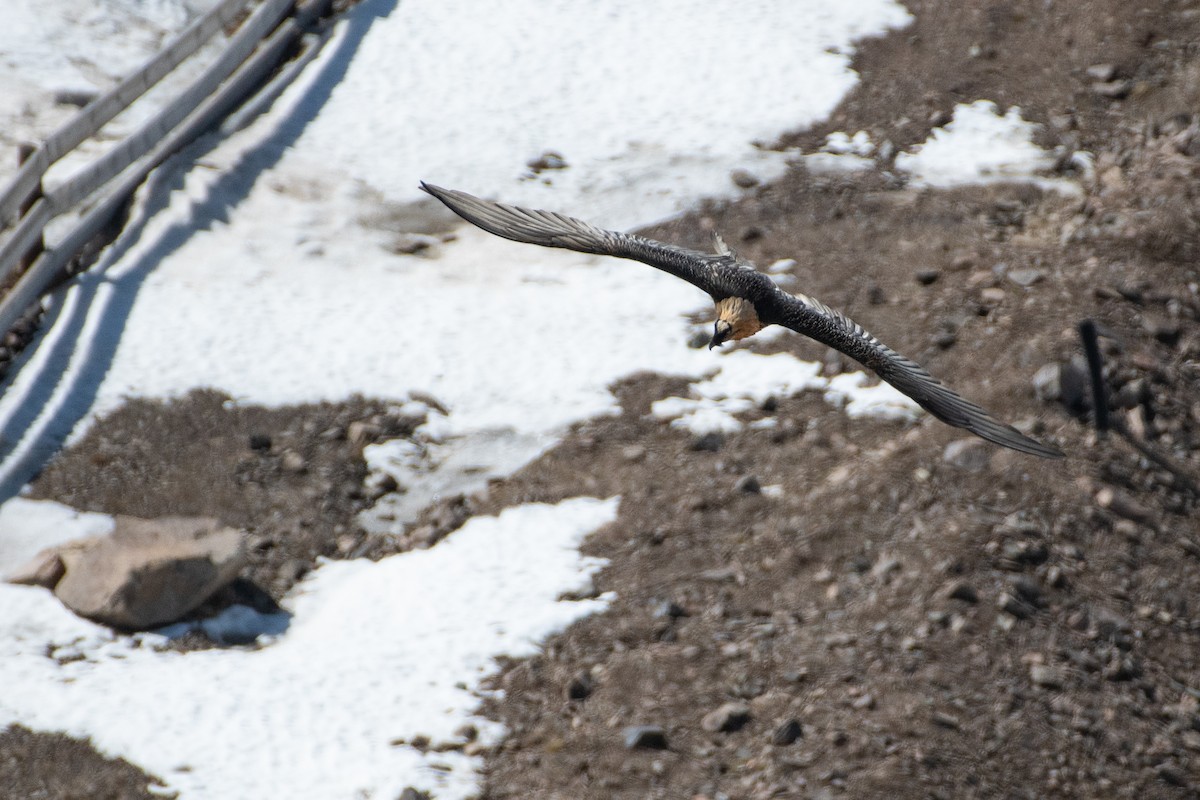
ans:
(722, 329)
(736, 319)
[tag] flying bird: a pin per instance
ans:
(747, 301)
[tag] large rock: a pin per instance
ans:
(146, 573)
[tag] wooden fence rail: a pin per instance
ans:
(252, 53)
(100, 111)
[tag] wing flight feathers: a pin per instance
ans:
(727, 275)
(847, 336)
(549, 229)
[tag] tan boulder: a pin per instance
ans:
(146, 573)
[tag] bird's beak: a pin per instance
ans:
(721, 331)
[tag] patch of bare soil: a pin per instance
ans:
(50, 765)
(889, 622)
(292, 478)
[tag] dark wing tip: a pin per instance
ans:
(1013, 439)
(436, 191)
(1041, 449)
(953, 409)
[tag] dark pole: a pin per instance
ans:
(1091, 348)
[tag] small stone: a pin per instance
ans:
(1170, 775)
(293, 462)
(796, 675)
(864, 703)
(645, 737)
(1164, 330)
(581, 686)
(972, 455)
(633, 453)
(669, 609)
(1028, 590)
(1025, 277)
(1113, 90)
(991, 297)
(939, 118)
(334, 434)
(925, 277)
(1101, 72)
(885, 566)
(944, 720)
(720, 574)
(743, 179)
(410, 244)
(1123, 505)
(1047, 382)
(548, 160)
(1046, 676)
(960, 590)
(1056, 578)
(1015, 555)
(1014, 606)
(726, 719)
(981, 278)
(363, 432)
(293, 570)
(410, 793)
(787, 733)
(945, 339)
(384, 483)
(708, 443)
(1122, 668)
(749, 485)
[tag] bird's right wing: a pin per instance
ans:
(811, 317)
(549, 229)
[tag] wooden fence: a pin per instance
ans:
(272, 31)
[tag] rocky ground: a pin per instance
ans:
(902, 620)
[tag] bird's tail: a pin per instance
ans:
(525, 225)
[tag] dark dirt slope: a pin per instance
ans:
(1013, 632)
(894, 624)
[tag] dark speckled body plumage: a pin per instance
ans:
(725, 275)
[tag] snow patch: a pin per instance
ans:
(29, 526)
(979, 145)
(375, 654)
(746, 380)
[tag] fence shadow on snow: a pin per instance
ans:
(45, 396)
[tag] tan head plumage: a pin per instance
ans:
(736, 316)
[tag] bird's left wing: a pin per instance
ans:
(814, 319)
(549, 229)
